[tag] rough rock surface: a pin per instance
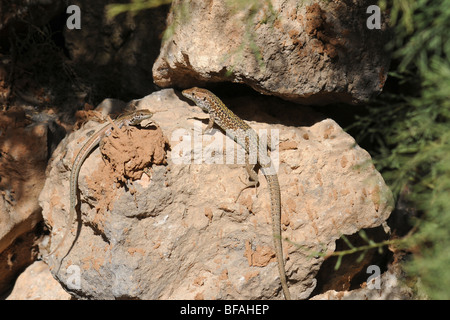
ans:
(23, 157)
(180, 233)
(37, 283)
(312, 52)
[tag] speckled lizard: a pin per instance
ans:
(244, 135)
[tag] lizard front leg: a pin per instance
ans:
(210, 123)
(253, 179)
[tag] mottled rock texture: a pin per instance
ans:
(311, 52)
(180, 233)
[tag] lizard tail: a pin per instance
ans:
(66, 234)
(275, 200)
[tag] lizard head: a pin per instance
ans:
(199, 96)
(140, 115)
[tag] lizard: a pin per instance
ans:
(244, 135)
(128, 119)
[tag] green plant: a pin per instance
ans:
(410, 127)
(115, 9)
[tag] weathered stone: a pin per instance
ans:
(23, 157)
(180, 233)
(37, 283)
(311, 52)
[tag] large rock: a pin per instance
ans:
(37, 283)
(312, 52)
(23, 158)
(180, 233)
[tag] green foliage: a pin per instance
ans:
(362, 250)
(411, 128)
(114, 9)
(180, 11)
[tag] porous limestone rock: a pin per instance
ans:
(312, 52)
(37, 283)
(180, 232)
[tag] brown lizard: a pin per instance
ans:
(129, 119)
